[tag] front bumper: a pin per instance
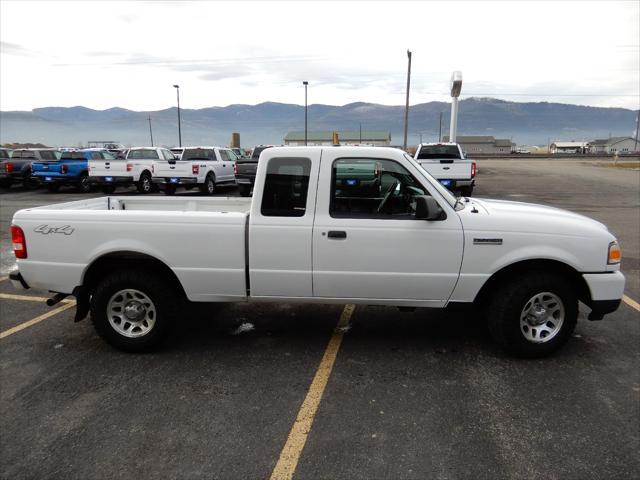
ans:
(108, 180)
(607, 290)
(17, 281)
(175, 180)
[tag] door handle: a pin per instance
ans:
(339, 234)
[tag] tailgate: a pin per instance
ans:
(246, 168)
(101, 168)
(45, 167)
(449, 169)
(166, 169)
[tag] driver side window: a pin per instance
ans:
(373, 188)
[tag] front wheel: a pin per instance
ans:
(144, 185)
(133, 310)
(533, 315)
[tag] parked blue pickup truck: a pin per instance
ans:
(72, 168)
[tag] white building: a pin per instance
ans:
(568, 147)
(483, 144)
(614, 145)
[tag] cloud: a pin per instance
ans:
(7, 48)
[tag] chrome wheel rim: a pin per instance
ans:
(542, 317)
(211, 186)
(146, 184)
(131, 313)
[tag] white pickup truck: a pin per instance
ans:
(205, 167)
(447, 163)
(359, 225)
(135, 169)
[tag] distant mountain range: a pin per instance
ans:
(525, 123)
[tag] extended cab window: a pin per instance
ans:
(373, 188)
(285, 187)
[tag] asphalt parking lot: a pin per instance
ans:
(259, 391)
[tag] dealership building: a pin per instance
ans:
(482, 144)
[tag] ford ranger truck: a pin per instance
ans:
(446, 162)
(360, 225)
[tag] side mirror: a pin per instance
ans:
(428, 209)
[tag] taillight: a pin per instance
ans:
(473, 169)
(8, 167)
(64, 168)
(129, 167)
(195, 169)
(19, 242)
(235, 168)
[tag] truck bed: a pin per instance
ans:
(168, 204)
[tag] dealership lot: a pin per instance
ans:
(410, 395)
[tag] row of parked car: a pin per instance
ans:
(147, 168)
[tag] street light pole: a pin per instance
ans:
(177, 87)
(150, 131)
(406, 108)
(440, 129)
(306, 84)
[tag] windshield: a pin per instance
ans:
(438, 151)
(448, 196)
(198, 154)
(143, 154)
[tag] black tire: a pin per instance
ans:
(53, 188)
(466, 191)
(28, 182)
(144, 185)
(245, 190)
(108, 189)
(508, 303)
(154, 288)
(209, 185)
(170, 190)
(84, 186)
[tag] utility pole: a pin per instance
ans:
(177, 87)
(306, 84)
(150, 131)
(406, 108)
(637, 130)
(360, 133)
(440, 129)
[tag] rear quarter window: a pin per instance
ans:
(285, 188)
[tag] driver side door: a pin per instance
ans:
(367, 243)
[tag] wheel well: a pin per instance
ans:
(526, 266)
(111, 262)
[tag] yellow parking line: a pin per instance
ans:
(631, 302)
(38, 319)
(28, 298)
(291, 451)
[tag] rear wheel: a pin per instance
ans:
(209, 186)
(28, 181)
(83, 183)
(109, 189)
(533, 315)
(245, 190)
(170, 190)
(144, 185)
(133, 310)
(53, 188)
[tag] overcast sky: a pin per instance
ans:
(129, 54)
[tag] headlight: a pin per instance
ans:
(615, 254)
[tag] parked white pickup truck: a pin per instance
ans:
(325, 225)
(446, 162)
(206, 167)
(135, 169)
